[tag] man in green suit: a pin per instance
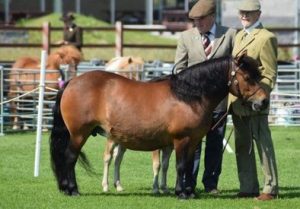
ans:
(206, 40)
(260, 44)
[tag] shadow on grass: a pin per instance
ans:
(285, 193)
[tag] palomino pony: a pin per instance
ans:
(147, 116)
(23, 79)
(129, 67)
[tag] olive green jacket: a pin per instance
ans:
(262, 46)
(190, 50)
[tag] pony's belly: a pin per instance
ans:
(142, 142)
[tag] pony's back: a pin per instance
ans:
(27, 62)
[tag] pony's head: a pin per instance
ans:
(126, 66)
(244, 79)
(65, 55)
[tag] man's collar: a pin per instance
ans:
(213, 29)
(252, 27)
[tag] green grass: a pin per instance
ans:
(19, 189)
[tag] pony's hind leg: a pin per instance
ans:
(72, 154)
(69, 184)
(107, 156)
(156, 168)
(166, 154)
(119, 151)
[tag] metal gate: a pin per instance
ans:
(285, 98)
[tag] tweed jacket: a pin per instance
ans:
(190, 50)
(262, 46)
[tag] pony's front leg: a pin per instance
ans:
(181, 148)
(107, 156)
(166, 154)
(118, 156)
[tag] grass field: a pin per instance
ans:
(19, 189)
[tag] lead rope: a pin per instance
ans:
(219, 121)
(224, 147)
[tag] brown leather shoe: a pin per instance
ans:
(246, 195)
(265, 196)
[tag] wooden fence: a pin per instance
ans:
(119, 29)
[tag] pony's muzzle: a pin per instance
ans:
(259, 105)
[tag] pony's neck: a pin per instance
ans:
(220, 90)
(204, 81)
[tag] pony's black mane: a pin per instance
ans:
(209, 79)
(203, 79)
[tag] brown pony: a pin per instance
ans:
(24, 76)
(147, 116)
(129, 67)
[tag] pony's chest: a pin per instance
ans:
(186, 121)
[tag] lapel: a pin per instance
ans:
(219, 38)
(248, 40)
(197, 42)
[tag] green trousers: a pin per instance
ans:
(247, 130)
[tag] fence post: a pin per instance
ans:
(40, 114)
(119, 39)
(46, 37)
(1, 100)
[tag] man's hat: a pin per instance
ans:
(249, 5)
(69, 16)
(202, 8)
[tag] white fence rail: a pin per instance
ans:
(285, 100)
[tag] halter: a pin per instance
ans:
(233, 79)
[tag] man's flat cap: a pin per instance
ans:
(202, 8)
(249, 5)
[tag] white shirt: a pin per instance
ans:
(212, 34)
(252, 27)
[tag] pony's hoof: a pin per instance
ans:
(105, 189)
(192, 195)
(71, 192)
(118, 187)
(75, 193)
(182, 196)
(25, 127)
(15, 127)
(155, 191)
(165, 190)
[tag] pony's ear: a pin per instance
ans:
(129, 60)
(239, 57)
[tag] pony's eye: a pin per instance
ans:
(246, 77)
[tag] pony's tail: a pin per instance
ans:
(59, 139)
